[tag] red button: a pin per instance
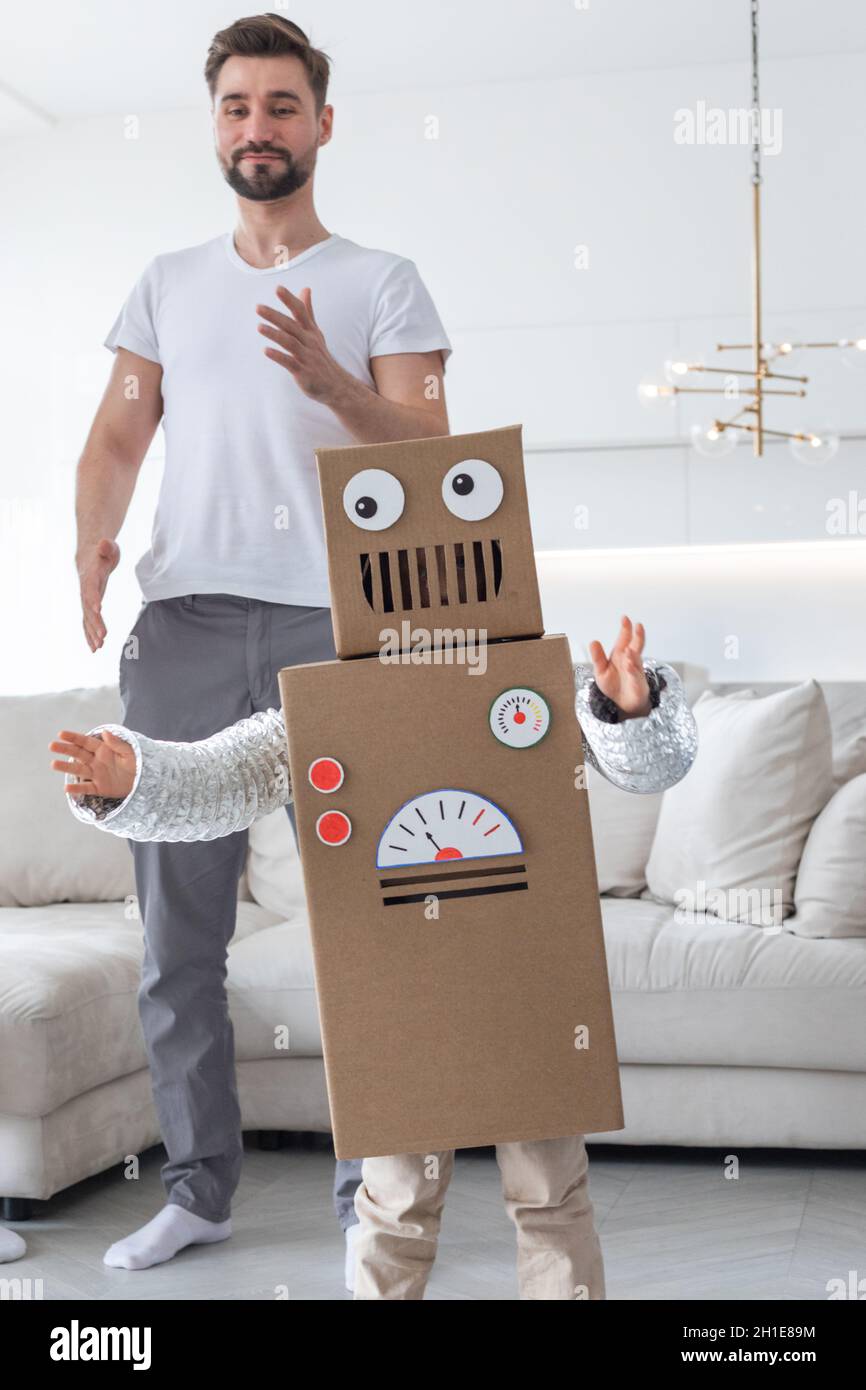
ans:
(326, 774)
(333, 827)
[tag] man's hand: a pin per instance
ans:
(104, 765)
(94, 567)
(621, 677)
(306, 353)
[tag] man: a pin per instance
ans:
(254, 348)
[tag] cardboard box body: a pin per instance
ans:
(454, 977)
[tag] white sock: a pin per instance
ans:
(170, 1230)
(12, 1247)
(352, 1233)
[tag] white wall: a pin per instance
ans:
(744, 613)
(491, 211)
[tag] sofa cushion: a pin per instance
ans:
(274, 871)
(830, 894)
(46, 855)
(690, 989)
(272, 993)
(730, 834)
(846, 701)
(69, 979)
(623, 826)
(846, 704)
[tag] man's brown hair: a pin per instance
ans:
(268, 36)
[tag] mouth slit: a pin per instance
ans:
(385, 574)
(367, 578)
(442, 575)
(461, 572)
(480, 573)
(405, 580)
(421, 562)
(497, 565)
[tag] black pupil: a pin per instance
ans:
(366, 507)
(463, 484)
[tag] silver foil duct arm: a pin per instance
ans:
(647, 754)
(213, 787)
(196, 791)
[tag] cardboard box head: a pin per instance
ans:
(429, 536)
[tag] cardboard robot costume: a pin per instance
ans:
(442, 814)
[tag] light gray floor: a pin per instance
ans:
(672, 1226)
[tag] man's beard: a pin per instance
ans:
(264, 183)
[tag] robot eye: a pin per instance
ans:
(472, 489)
(373, 499)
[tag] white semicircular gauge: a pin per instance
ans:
(449, 823)
(519, 717)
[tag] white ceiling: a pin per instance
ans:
(71, 58)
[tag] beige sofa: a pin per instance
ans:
(729, 1033)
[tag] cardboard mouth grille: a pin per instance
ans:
(420, 886)
(432, 576)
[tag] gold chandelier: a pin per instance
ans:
(721, 436)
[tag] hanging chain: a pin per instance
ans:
(756, 104)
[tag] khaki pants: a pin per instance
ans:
(545, 1186)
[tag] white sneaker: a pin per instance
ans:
(352, 1233)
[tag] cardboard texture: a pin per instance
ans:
(444, 830)
(485, 569)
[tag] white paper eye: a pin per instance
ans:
(472, 489)
(373, 499)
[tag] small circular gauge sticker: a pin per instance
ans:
(333, 827)
(519, 717)
(326, 774)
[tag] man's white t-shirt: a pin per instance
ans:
(239, 509)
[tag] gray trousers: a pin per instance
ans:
(199, 663)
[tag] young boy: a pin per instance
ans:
(638, 731)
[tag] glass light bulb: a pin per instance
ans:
(655, 395)
(853, 352)
(713, 443)
(677, 368)
(781, 351)
(815, 447)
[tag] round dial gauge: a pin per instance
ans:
(519, 717)
(446, 824)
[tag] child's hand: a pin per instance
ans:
(622, 677)
(104, 765)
